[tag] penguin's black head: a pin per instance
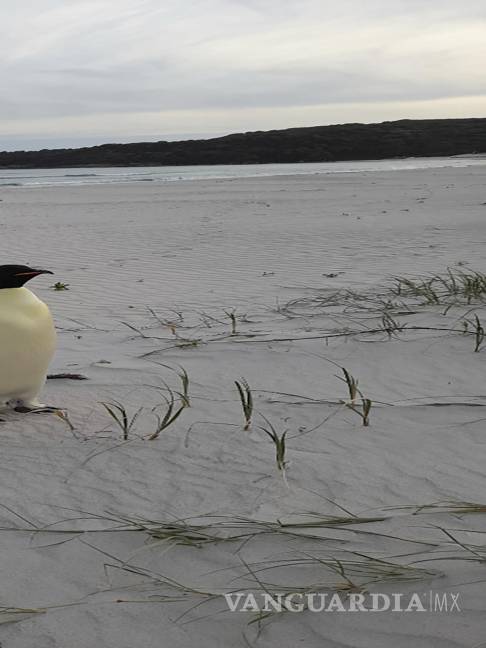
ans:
(15, 276)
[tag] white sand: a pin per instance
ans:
(191, 251)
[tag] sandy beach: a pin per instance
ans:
(283, 281)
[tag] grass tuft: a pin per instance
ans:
(119, 414)
(170, 415)
(355, 393)
(278, 441)
(477, 330)
(232, 317)
(58, 286)
(15, 614)
(246, 399)
(390, 325)
(468, 285)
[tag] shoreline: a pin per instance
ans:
(165, 175)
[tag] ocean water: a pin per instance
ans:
(113, 175)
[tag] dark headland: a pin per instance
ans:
(404, 138)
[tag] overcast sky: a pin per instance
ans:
(77, 72)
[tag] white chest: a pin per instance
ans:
(27, 340)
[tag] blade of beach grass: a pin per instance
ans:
(169, 417)
(280, 446)
(184, 380)
(119, 414)
(445, 506)
(15, 615)
(246, 399)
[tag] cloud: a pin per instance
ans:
(82, 61)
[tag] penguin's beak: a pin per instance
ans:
(33, 273)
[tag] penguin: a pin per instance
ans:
(27, 340)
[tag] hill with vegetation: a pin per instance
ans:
(404, 138)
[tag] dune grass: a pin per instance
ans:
(17, 614)
(278, 441)
(446, 506)
(170, 414)
(460, 284)
(246, 399)
(203, 529)
(475, 326)
(59, 286)
(348, 574)
(181, 373)
(354, 393)
(165, 413)
(343, 571)
(302, 569)
(391, 326)
(232, 317)
(119, 414)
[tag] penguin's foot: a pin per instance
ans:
(36, 409)
(27, 406)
